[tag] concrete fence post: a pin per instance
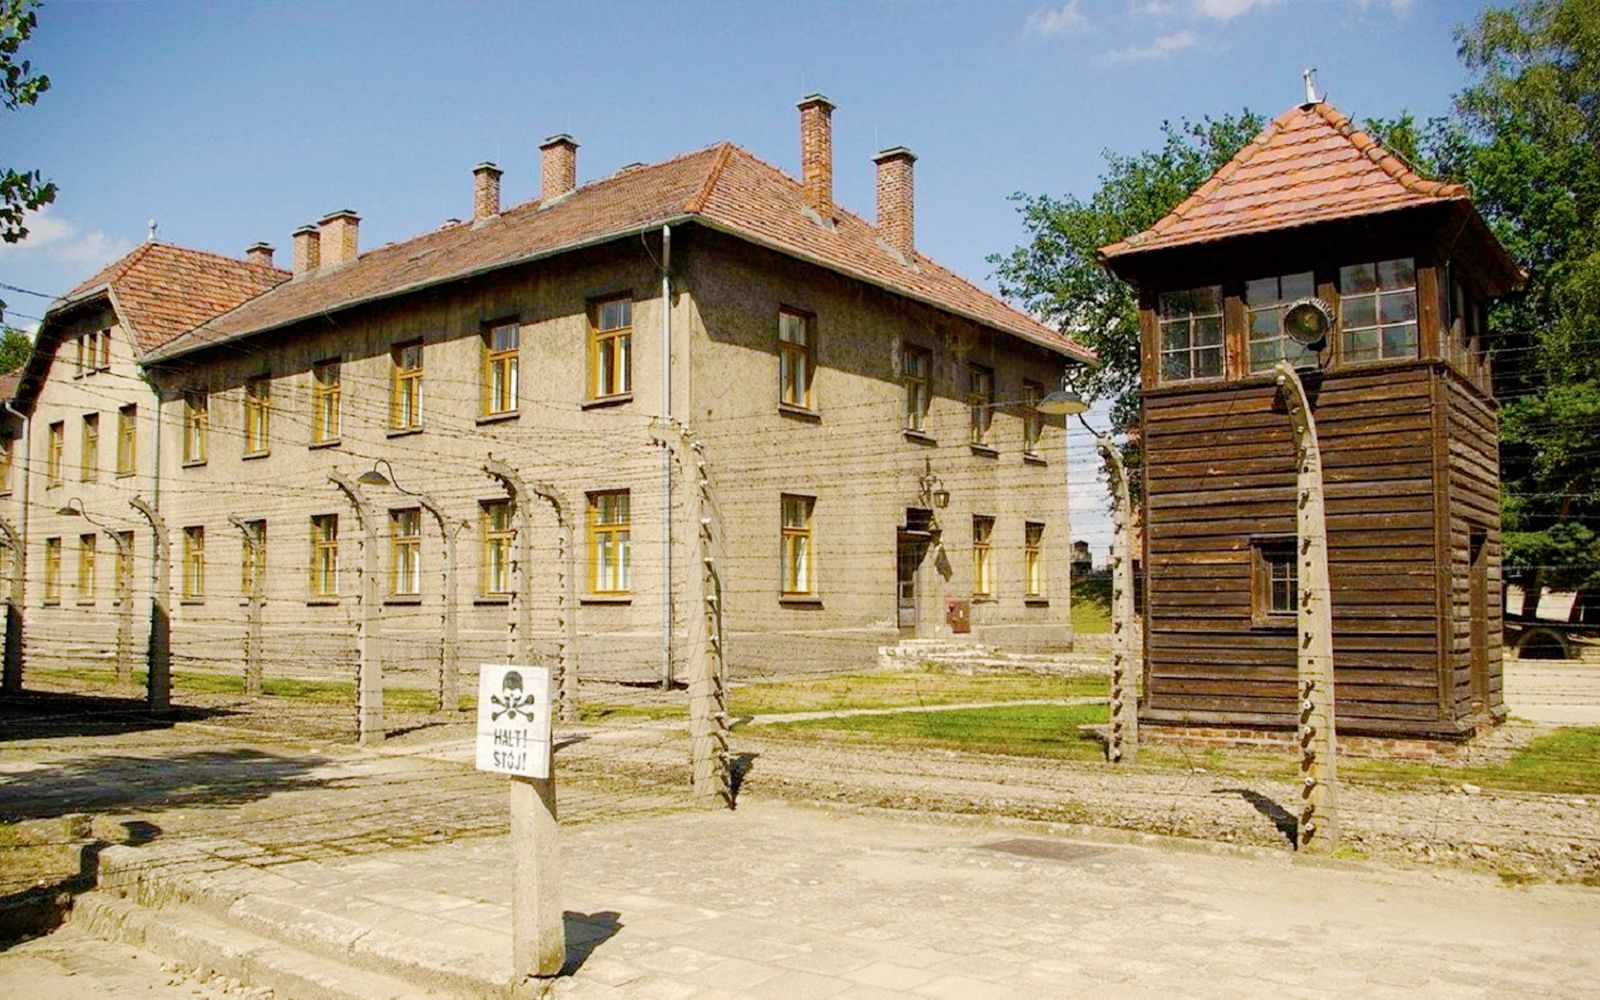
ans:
(11, 675)
(159, 652)
(252, 632)
(1318, 827)
(369, 663)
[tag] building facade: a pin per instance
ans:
(875, 465)
(1314, 210)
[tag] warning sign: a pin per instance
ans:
(514, 720)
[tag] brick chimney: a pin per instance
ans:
(897, 200)
(307, 249)
(340, 232)
(816, 153)
(485, 190)
(558, 166)
(259, 253)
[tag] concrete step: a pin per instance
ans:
(202, 888)
(196, 938)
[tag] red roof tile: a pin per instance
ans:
(722, 186)
(1310, 165)
(162, 290)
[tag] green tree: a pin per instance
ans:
(14, 349)
(1056, 275)
(1526, 138)
(21, 191)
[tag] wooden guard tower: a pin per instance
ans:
(1404, 267)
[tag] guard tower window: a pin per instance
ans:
(1266, 299)
(1274, 590)
(1191, 334)
(1378, 309)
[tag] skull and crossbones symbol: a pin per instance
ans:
(511, 701)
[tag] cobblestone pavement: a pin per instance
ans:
(69, 965)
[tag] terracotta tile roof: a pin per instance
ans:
(722, 186)
(1310, 165)
(161, 290)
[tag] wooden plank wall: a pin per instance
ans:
(1474, 484)
(1219, 465)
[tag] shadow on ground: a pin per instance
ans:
(39, 909)
(1281, 818)
(35, 715)
(585, 933)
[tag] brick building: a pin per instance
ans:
(866, 416)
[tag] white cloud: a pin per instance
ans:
(1155, 8)
(1226, 10)
(54, 239)
(1162, 47)
(1399, 8)
(1066, 19)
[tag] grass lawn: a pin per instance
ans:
(902, 688)
(1020, 730)
(330, 692)
(1091, 605)
(1566, 761)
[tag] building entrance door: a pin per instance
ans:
(910, 557)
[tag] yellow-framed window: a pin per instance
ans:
(1032, 419)
(916, 371)
(1033, 558)
(502, 345)
(980, 400)
(497, 529)
(196, 424)
(52, 571)
(5, 465)
(105, 350)
(324, 555)
(405, 552)
(87, 547)
(257, 414)
(194, 563)
(405, 386)
(610, 347)
(127, 439)
(89, 457)
(799, 563)
(982, 557)
(610, 543)
(84, 353)
(325, 401)
(797, 353)
(253, 558)
(55, 450)
(123, 568)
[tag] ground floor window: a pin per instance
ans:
(325, 555)
(1033, 557)
(405, 552)
(1275, 580)
(798, 572)
(86, 556)
(982, 557)
(610, 543)
(498, 531)
(194, 563)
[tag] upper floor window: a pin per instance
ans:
(980, 401)
(127, 439)
(325, 555)
(610, 543)
(1265, 300)
(501, 345)
(405, 386)
(85, 353)
(55, 449)
(1032, 419)
(799, 574)
(257, 414)
(498, 531)
(611, 348)
(196, 422)
(982, 557)
(796, 354)
(1191, 334)
(916, 370)
(194, 563)
(325, 401)
(405, 552)
(105, 350)
(90, 448)
(1378, 310)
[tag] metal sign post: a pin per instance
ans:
(514, 738)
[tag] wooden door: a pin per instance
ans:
(910, 557)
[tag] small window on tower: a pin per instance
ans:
(1275, 581)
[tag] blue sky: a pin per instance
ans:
(236, 122)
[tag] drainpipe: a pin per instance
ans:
(12, 680)
(666, 457)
